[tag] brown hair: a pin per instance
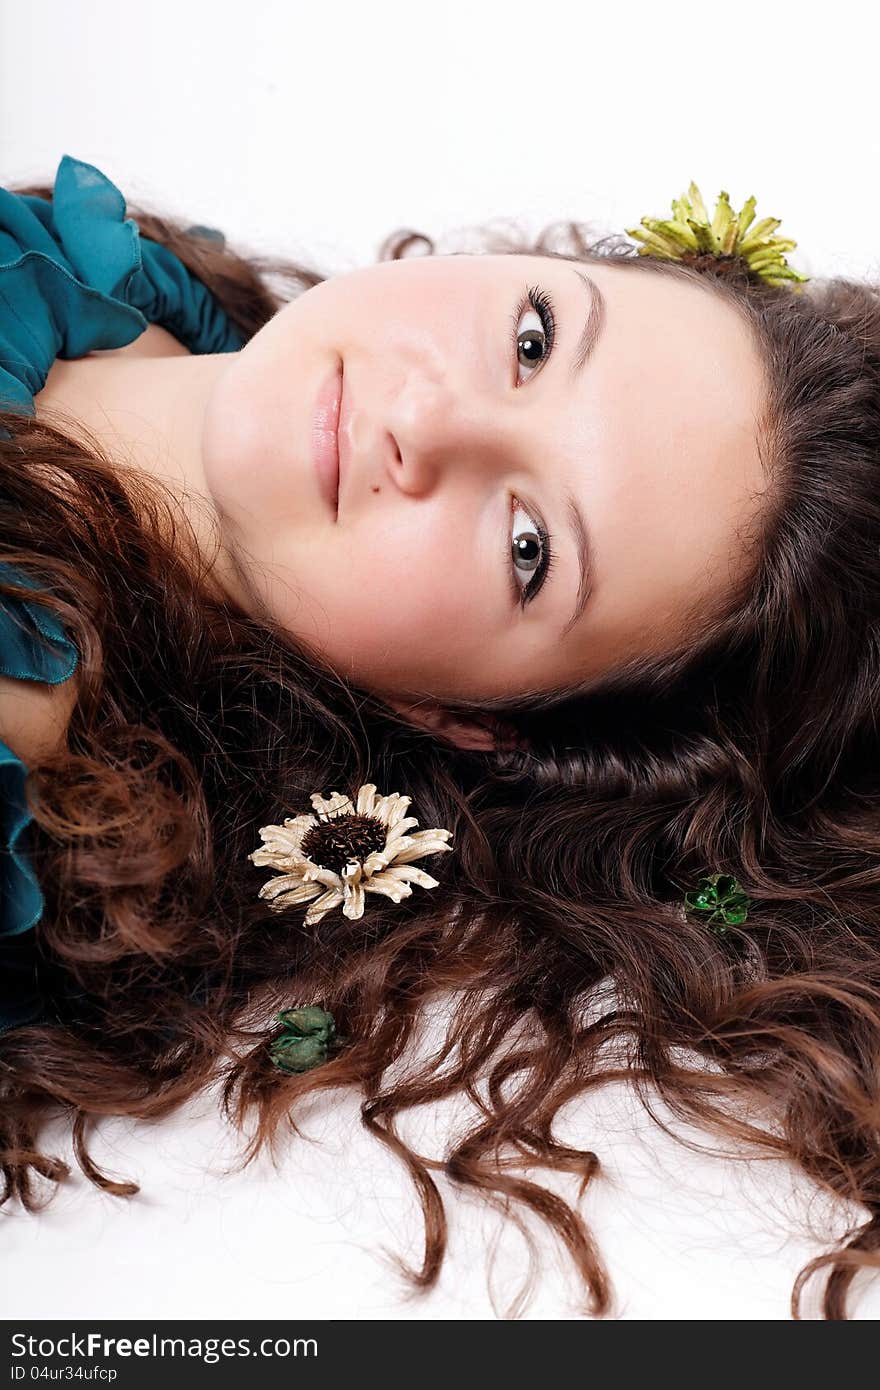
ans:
(752, 750)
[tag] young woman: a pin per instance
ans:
(596, 587)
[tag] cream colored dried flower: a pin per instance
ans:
(691, 236)
(344, 851)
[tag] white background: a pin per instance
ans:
(314, 131)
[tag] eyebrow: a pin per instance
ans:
(580, 533)
(593, 326)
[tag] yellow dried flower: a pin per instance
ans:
(690, 236)
(345, 850)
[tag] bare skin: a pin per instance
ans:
(454, 444)
(34, 717)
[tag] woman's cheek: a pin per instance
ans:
(254, 448)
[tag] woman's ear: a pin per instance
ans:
(481, 731)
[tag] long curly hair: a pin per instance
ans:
(752, 750)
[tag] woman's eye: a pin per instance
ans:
(533, 343)
(531, 555)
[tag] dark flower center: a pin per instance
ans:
(332, 843)
(722, 265)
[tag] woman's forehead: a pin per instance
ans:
(664, 455)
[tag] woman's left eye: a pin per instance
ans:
(536, 343)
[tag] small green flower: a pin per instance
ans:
(690, 236)
(305, 1041)
(723, 898)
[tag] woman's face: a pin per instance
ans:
(457, 446)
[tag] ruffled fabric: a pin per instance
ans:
(76, 276)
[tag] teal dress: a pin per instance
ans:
(76, 276)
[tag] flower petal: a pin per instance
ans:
(424, 842)
(293, 832)
(407, 873)
(305, 820)
(376, 862)
(291, 888)
(399, 811)
(308, 1021)
(366, 799)
(396, 844)
(324, 904)
(292, 1054)
(329, 807)
(294, 898)
(316, 873)
(353, 889)
(390, 808)
(282, 843)
(288, 860)
(390, 887)
(401, 827)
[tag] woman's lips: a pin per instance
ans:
(325, 444)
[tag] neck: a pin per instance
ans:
(148, 414)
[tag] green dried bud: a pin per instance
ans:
(308, 1033)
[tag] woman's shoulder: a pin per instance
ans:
(33, 725)
(34, 717)
(38, 665)
(155, 341)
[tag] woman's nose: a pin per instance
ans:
(436, 428)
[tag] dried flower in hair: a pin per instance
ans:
(690, 236)
(303, 1044)
(722, 898)
(344, 851)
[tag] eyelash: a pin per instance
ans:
(542, 304)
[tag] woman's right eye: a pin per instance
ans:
(538, 340)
